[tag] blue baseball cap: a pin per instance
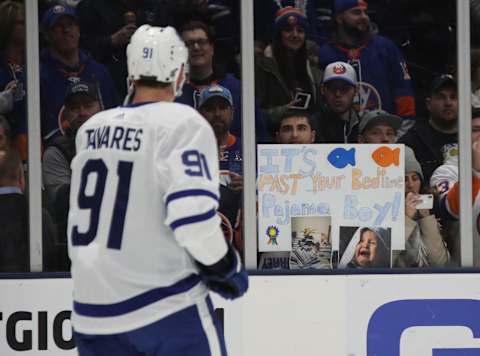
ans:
(54, 13)
(215, 91)
(341, 6)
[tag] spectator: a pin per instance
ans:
(199, 40)
(337, 117)
(445, 181)
(369, 247)
(81, 102)
(384, 81)
(106, 27)
(12, 72)
(475, 71)
(63, 63)
(424, 246)
(296, 126)
(5, 133)
(317, 13)
(14, 246)
(216, 105)
(378, 126)
(223, 16)
(284, 74)
(432, 139)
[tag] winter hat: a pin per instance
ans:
(411, 163)
(289, 16)
(341, 6)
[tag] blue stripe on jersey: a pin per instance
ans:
(193, 219)
(137, 302)
(189, 193)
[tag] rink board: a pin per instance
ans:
(354, 315)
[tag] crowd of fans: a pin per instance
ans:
(323, 74)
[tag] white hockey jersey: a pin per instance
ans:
(445, 180)
(143, 200)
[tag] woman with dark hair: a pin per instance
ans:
(284, 78)
(424, 246)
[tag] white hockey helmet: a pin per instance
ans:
(159, 53)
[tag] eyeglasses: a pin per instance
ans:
(200, 42)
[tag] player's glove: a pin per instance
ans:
(227, 277)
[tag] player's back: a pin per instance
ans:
(127, 266)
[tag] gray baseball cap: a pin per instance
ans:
(379, 116)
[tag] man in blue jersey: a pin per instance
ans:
(143, 231)
(382, 74)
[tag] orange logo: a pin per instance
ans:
(292, 20)
(339, 69)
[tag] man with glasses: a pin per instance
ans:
(198, 38)
(63, 63)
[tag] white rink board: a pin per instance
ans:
(291, 315)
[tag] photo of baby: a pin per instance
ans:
(365, 247)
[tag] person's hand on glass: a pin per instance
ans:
(122, 36)
(236, 183)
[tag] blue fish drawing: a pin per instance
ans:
(340, 157)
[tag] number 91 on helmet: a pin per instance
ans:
(157, 53)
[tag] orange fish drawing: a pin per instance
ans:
(385, 156)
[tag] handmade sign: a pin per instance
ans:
(354, 185)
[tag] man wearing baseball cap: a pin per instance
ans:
(80, 103)
(384, 81)
(430, 139)
(337, 116)
(378, 126)
(216, 105)
(62, 63)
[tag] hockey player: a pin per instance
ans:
(144, 235)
